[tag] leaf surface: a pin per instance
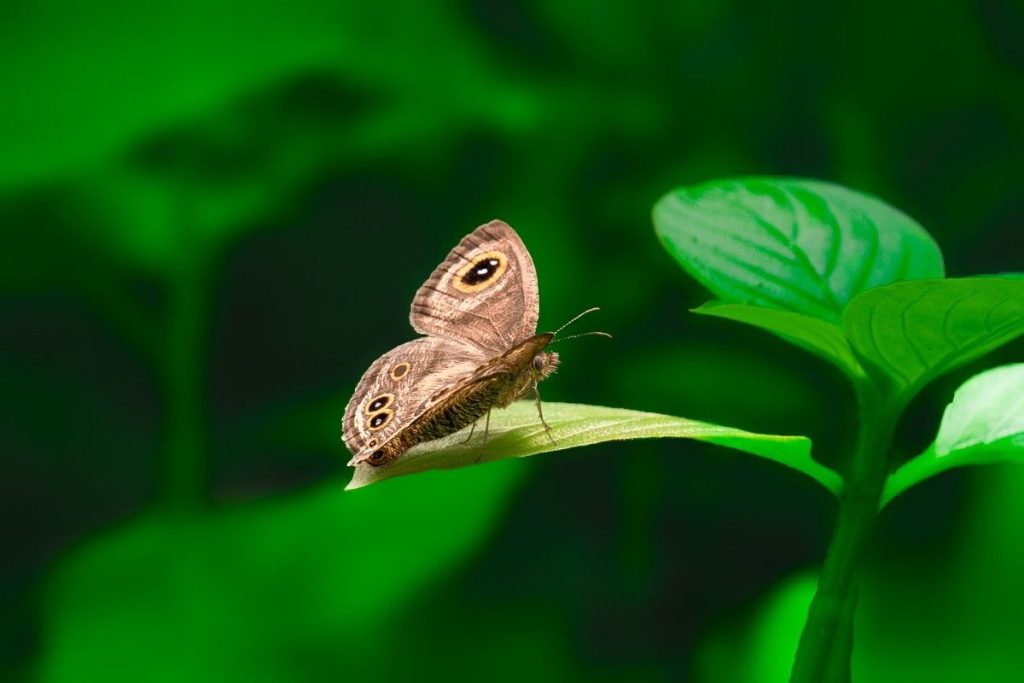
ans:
(800, 245)
(909, 333)
(516, 431)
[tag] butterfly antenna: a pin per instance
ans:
(581, 334)
(589, 310)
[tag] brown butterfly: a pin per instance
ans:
(479, 311)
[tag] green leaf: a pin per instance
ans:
(516, 432)
(800, 245)
(821, 337)
(912, 332)
(984, 424)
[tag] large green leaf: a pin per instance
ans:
(799, 245)
(821, 337)
(516, 432)
(984, 424)
(912, 332)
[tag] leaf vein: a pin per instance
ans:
(859, 283)
(904, 327)
(873, 335)
(802, 255)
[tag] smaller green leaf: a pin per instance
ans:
(984, 424)
(821, 337)
(517, 432)
(791, 243)
(912, 332)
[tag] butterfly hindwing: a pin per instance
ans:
(401, 385)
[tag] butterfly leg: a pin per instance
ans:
(540, 412)
(472, 429)
(487, 426)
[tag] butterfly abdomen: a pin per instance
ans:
(461, 410)
(510, 377)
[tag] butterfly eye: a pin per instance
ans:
(538, 363)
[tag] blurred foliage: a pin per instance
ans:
(253, 593)
(215, 214)
(955, 621)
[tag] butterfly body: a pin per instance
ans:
(500, 382)
(479, 312)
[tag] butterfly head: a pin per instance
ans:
(544, 365)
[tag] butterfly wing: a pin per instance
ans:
(484, 293)
(401, 385)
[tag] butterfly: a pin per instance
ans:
(478, 311)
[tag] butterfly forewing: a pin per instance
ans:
(484, 292)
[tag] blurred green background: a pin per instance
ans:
(215, 216)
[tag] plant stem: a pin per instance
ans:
(826, 644)
(183, 364)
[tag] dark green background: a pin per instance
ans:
(215, 216)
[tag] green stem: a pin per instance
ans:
(183, 477)
(826, 644)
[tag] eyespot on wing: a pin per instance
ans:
(481, 273)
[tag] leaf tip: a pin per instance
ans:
(357, 481)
